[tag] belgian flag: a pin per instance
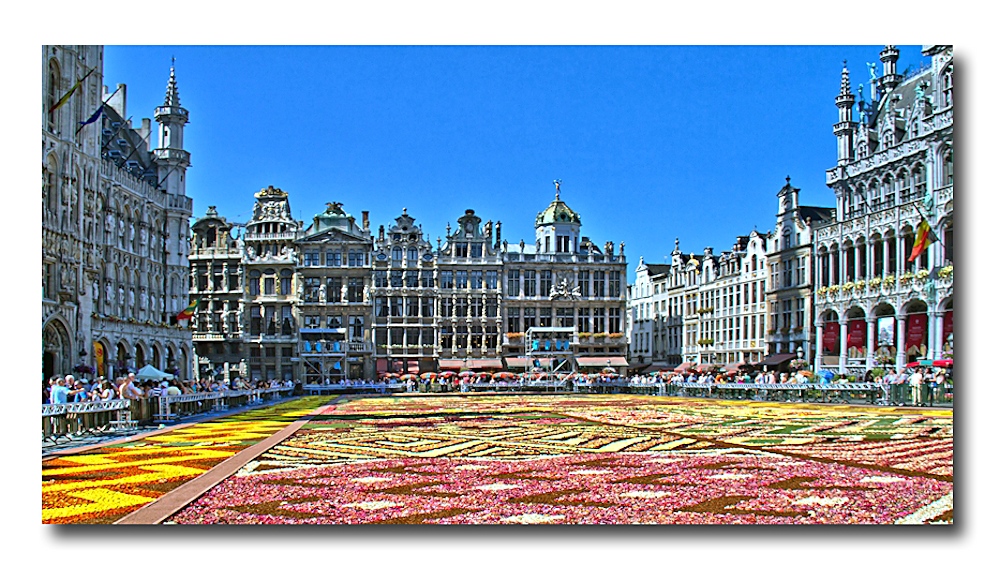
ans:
(189, 310)
(923, 239)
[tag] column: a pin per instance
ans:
(843, 347)
(870, 343)
(819, 346)
(885, 257)
(935, 326)
(900, 341)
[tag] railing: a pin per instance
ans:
(172, 408)
(87, 418)
(61, 420)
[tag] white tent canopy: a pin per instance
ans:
(149, 371)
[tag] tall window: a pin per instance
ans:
(614, 284)
(286, 282)
(583, 320)
(599, 284)
(598, 319)
(491, 279)
(447, 279)
(334, 289)
(461, 279)
(584, 283)
(513, 283)
(476, 279)
(310, 258)
(333, 259)
(355, 290)
(513, 320)
(546, 282)
(545, 316)
(529, 283)
(411, 254)
(529, 317)
(562, 243)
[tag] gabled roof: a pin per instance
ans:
(817, 213)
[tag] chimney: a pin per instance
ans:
(364, 220)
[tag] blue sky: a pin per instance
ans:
(651, 143)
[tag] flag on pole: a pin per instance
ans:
(189, 310)
(69, 94)
(93, 117)
(923, 239)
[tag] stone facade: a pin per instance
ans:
(114, 223)
(876, 307)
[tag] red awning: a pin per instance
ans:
(602, 361)
(705, 367)
(471, 364)
(684, 366)
(734, 366)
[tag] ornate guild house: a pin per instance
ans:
(884, 265)
(114, 224)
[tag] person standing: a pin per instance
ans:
(916, 380)
(128, 390)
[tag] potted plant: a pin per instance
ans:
(946, 272)
(875, 283)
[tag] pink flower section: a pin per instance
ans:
(665, 488)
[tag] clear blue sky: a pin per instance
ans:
(651, 143)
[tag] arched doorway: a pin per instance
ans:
(857, 333)
(57, 352)
(140, 356)
(885, 335)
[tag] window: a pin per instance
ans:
(426, 278)
(545, 316)
(513, 283)
(355, 290)
(310, 289)
(356, 258)
(411, 278)
(583, 320)
(584, 282)
(476, 279)
(546, 283)
(476, 250)
(396, 306)
(461, 250)
(254, 282)
(397, 254)
(334, 289)
(529, 283)
(333, 259)
(564, 316)
(447, 279)
(529, 317)
(447, 307)
(476, 307)
(310, 258)
(286, 282)
(412, 306)
(461, 307)
(491, 279)
(381, 279)
(396, 278)
(491, 307)
(461, 279)
(513, 320)
(562, 244)
(599, 284)
(427, 307)
(598, 319)
(614, 284)
(411, 254)
(357, 328)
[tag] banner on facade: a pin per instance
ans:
(947, 328)
(886, 331)
(916, 334)
(831, 338)
(98, 349)
(857, 334)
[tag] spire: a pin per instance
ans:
(173, 97)
(557, 183)
(845, 80)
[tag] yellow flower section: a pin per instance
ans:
(106, 484)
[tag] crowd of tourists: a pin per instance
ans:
(69, 389)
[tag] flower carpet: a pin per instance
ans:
(569, 459)
(103, 485)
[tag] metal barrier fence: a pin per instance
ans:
(61, 420)
(363, 388)
(875, 394)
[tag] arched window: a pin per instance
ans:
(919, 182)
(946, 85)
(52, 94)
(411, 254)
(949, 169)
(397, 254)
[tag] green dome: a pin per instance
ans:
(557, 211)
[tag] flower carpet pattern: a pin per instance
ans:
(595, 459)
(103, 485)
